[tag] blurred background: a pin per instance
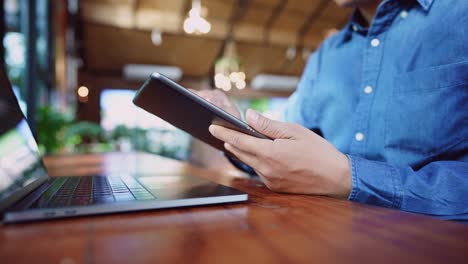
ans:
(76, 64)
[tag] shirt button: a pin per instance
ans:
(368, 89)
(359, 136)
(404, 14)
(375, 42)
(355, 28)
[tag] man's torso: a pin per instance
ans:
(397, 92)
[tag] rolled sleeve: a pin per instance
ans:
(438, 189)
(374, 183)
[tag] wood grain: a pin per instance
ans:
(269, 228)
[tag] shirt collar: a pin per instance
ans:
(425, 4)
(356, 17)
(353, 25)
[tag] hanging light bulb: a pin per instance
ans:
(291, 53)
(241, 76)
(83, 91)
(195, 23)
(234, 76)
(156, 37)
(240, 84)
(228, 73)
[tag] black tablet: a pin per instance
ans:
(186, 110)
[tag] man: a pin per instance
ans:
(389, 95)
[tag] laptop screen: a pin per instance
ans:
(20, 161)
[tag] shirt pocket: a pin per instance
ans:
(427, 113)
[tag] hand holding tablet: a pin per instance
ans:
(186, 110)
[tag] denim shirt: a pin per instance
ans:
(394, 97)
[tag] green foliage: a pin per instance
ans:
(137, 137)
(84, 131)
(120, 132)
(50, 129)
(58, 133)
(259, 104)
(85, 137)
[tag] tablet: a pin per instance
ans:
(186, 110)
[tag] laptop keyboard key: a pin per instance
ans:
(49, 193)
(101, 190)
(137, 189)
(82, 194)
(81, 191)
(64, 194)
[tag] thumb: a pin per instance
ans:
(270, 128)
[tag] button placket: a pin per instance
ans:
(370, 72)
(371, 67)
(375, 42)
(368, 89)
(359, 136)
(404, 14)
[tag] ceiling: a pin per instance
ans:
(117, 32)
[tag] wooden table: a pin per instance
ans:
(270, 228)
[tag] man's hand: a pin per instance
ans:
(296, 161)
(219, 99)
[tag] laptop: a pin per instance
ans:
(27, 193)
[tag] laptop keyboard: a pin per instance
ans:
(77, 191)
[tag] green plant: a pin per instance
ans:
(84, 132)
(59, 133)
(119, 132)
(83, 137)
(137, 137)
(50, 126)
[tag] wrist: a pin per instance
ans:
(343, 176)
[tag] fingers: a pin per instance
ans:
(205, 94)
(211, 94)
(219, 99)
(240, 140)
(271, 128)
(245, 157)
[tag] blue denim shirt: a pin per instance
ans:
(394, 97)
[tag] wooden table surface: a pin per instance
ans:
(269, 228)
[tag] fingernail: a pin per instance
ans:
(211, 128)
(252, 115)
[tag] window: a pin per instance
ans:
(135, 129)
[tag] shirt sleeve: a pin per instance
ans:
(439, 189)
(299, 107)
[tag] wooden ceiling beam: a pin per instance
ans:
(134, 46)
(284, 21)
(119, 15)
(237, 14)
(327, 20)
(134, 11)
(311, 19)
(160, 14)
(251, 27)
(134, 14)
(279, 8)
(286, 26)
